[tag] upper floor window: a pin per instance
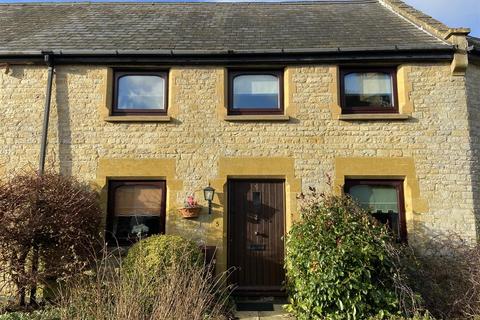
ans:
(369, 90)
(384, 199)
(139, 93)
(136, 209)
(255, 92)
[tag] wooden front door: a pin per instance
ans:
(255, 233)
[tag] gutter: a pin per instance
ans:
(390, 54)
(48, 58)
(179, 52)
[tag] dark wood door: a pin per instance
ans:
(255, 232)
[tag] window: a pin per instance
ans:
(140, 93)
(255, 92)
(384, 199)
(369, 91)
(136, 209)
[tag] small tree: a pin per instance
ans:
(338, 262)
(49, 225)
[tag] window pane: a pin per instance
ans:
(141, 92)
(257, 200)
(256, 92)
(138, 200)
(371, 89)
(381, 201)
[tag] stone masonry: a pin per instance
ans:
(437, 136)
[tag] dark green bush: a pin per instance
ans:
(338, 263)
(157, 253)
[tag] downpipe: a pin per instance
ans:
(48, 58)
(41, 166)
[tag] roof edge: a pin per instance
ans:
(424, 21)
(237, 58)
(173, 52)
(454, 36)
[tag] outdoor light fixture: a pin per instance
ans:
(208, 193)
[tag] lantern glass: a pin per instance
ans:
(208, 193)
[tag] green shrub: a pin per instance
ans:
(338, 263)
(155, 254)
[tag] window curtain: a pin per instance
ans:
(368, 84)
(376, 198)
(256, 84)
(138, 201)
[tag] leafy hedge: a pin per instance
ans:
(158, 253)
(338, 263)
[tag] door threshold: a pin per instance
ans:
(260, 304)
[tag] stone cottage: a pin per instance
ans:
(153, 103)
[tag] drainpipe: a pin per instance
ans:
(48, 57)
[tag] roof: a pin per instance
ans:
(355, 25)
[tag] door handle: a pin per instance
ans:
(257, 233)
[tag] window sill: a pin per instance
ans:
(138, 119)
(373, 117)
(259, 117)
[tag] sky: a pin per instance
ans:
(454, 13)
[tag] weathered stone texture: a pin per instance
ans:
(473, 98)
(437, 137)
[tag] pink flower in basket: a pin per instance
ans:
(191, 202)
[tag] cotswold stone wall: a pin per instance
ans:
(436, 137)
(473, 98)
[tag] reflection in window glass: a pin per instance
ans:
(256, 92)
(141, 92)
(371, 89)
(381, 201)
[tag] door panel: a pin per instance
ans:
(256, 230)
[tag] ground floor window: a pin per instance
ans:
(136, 209)
(384, 199)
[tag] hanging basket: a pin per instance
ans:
(189, 213)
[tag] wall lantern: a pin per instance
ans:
(208, 194)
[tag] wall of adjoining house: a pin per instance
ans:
(473, 100)
(433, 147)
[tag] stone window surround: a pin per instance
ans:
(390, 168)
(106, 109)
(405, 105)
(139, 169)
